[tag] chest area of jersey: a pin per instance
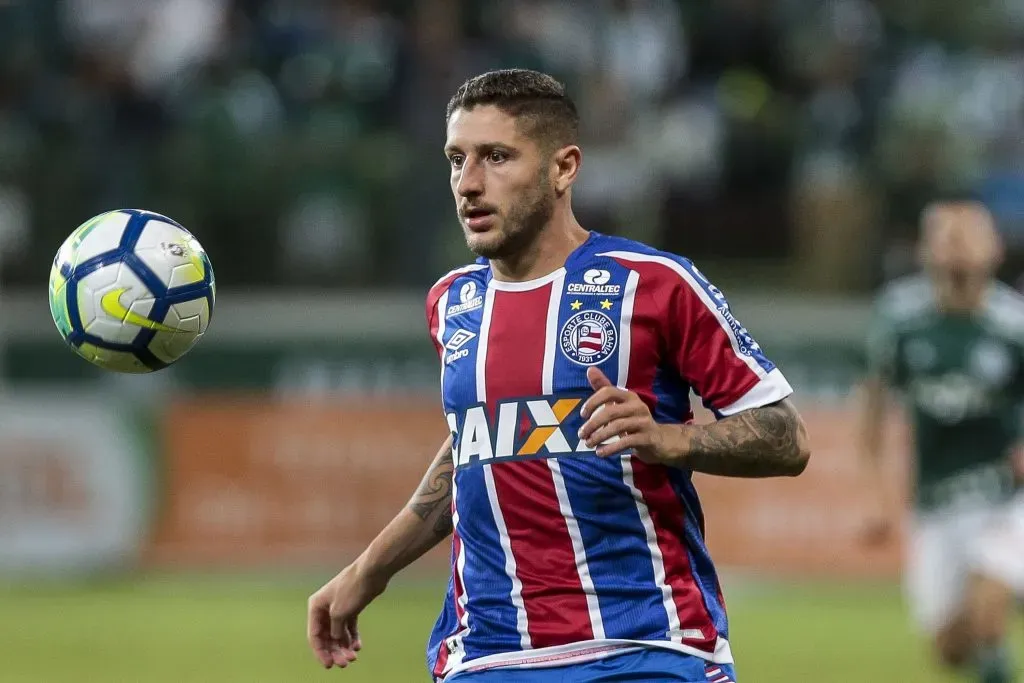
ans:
(954, 373)
(514, 373)
(968, 352)
(503, 342)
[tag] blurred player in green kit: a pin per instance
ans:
(950, 341)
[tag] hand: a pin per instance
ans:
(332, 613)
(877, 528)
(618, 420)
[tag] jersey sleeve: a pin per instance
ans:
(434, 317)
(1008, 310)
(436, 305)
(882, 343)
(713, 352)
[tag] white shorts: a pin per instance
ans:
(947, 546)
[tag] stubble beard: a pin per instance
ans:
(526, 220)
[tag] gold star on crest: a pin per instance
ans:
(576, 305)
(606, 305)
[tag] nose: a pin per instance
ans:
(470, 179)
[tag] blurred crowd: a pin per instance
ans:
(301, 139)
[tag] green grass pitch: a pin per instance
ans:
(221, 630)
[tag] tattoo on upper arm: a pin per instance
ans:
(434, 495)
(764, 441)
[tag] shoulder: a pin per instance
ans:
(655, 266)
(1004, 310)
(473, 274)
(905, 300)
(672, 279)
(444, 283)
(631, 251)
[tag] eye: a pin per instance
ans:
(496, 157)
(456, 160)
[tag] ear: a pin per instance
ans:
(996, 237)
(929, 224)
(565, 166)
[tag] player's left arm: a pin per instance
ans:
(1008, 311)
(763, 441)
(1017, 387)
(759, 432)
(767, 441)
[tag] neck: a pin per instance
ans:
(546, 254)
(960, 300)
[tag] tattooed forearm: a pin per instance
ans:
(425, 521)
(761, 442)
(433, 498)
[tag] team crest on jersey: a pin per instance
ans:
(469, 300)
(588, 338)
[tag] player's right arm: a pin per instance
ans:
(873, 401)
(425, 521)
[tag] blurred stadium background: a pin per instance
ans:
(169, 527)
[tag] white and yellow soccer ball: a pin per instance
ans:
(131, 291)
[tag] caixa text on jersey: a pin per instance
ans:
(520, 429)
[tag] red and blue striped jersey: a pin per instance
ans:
(558, 555)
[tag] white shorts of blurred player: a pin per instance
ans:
(948, 545)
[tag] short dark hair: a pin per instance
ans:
(533, 98)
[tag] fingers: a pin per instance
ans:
(616, 419)
(322, 651)
(343, 637)
(614, 430)
(876, 532)
(608, 413)
(602, 397)
(333, 635)
(340, 629)
(630, 442)
(342, 656)
(318, 632)
(597, 378)
(875, 528)
(353, 635)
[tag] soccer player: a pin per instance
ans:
(567, 361)
(951, 340)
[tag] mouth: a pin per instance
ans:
(478, 220)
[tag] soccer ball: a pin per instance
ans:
(131, 291)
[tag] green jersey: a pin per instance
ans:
(962, 376)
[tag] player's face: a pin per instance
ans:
(960, 241)
(961, 250)
(499, 177)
